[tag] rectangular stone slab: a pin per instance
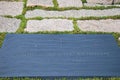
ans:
(59, 55)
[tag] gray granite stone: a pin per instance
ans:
(100, 1)
(108, 25)
(11, 0)
(70, 3)
(11, 8)
(73, 13)
(49, 25)
(9, 24)
(47, 3)
(116, 1)
(94, 5)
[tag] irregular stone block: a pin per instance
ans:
(108, 25)
(100, 1)
(9, 24)
(47, 3)
(49, 25)
(70, 3)
(11, 8)
(116, 1)
(73, 13)
(94, 5)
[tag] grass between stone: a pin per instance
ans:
(55, 4)
(75, 31)
(2, 36)
(56, 8)
(23, 19)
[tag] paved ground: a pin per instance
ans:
(58, 15)
(8, 24)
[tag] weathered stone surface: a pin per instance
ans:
(9, 24)
(116, 1)
(47, 3)
(11, 8)
(94, 5)
(108, 25)
(11, 0)
(100, 1)
(70, 3)
(49, 25)
(73, 13)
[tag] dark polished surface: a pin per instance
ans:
(59, 55)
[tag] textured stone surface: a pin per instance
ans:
(70, 3)
(100, 25)
(100, 1)
(11, 0)
(9, 24)
(94, 5)
(11, 8)
(46, 3)
(49, 25)
(73, 13)
(116, 1)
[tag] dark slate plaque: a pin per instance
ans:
(59, 55)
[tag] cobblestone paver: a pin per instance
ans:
(47, 3)
(100, 1)
(116, 1)
(11, 8)
(99, 5)
(59, 15)
(73, 13)
(9, 24)
(49, 25)
(100, 25)
(70, 3)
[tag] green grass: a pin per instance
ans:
(23, 19)
(117, 35)
(22, 25)
(81, 18)
(76, 29)
(97, 18)
(2, 36)
(56, 8)
(84, 1)
(35, 18)
(55, 4)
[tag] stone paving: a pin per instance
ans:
(11, 8)
(100, 1)
(103, 1)
(9, 24)
(47, 3)
(70, 3)
(58, 15)
(73, 13)
(99, 5)
(49, 25)
(100, 25)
